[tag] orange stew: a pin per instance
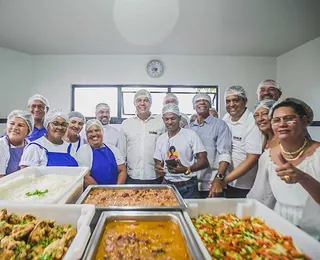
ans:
(142, 240)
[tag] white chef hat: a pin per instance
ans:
(142, 93)
(52, 115)
(75, 114)
(39, 97)
(92, 122)
(235, 90)
(171, 108)
(26, 116)
(171, 96)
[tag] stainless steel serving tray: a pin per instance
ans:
(182, 205)
(177, 217)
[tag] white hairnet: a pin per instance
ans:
(201, 96)
(75, 114)
(235, 90)
(142, 93)
(171, 96)
(26, 116)
(101, 106)
(266, 103)
(39, 97)
(269, 83)
(184, 120)
(92, 122)
(171, 108)
(52, 115)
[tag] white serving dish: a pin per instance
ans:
(68, 196)
(244, 208)
(79, 216)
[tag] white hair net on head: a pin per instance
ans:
(171, 96)
(235, 90)
(75, 114)
(201, 96)
(95, 122)
(52, 115)
(101, 106)
(142, 93)
(171, 108)
(39, 97)
(269, 83)
(266, 103)
(25, 115)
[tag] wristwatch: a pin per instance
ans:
(188, 171)
(220, 176)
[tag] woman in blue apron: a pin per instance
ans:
(19, 125)
(72, 136)
(51, 149)
(104, 161)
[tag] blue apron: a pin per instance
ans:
(104, 168)
(59, 159)
(15, 156)
(36, 133)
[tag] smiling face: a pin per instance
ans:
(142, 106)
(103, 115)
(261, 116)
(268, 92)
(57, 128)
(235, 105)
(17, 130)
(287, 124)
(202, 107)
(171, 121)
(75, 126)
(94, 136)
(38, 109)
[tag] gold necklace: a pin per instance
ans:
(294, 159)
(295, 152)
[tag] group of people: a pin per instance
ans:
(266, 154)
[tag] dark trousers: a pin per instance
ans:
(129, 180)
(235, 193)
(187, 189)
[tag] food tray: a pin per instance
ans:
(249, 207)
(174, 216)
(71, 192)
(99, 210)
(79, 216)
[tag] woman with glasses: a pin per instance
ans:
(293, 167)
(51, 149)
(72, 135)
(19, 125)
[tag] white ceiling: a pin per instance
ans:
(202, 27)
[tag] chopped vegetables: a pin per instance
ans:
(37, 193)
(228, 237)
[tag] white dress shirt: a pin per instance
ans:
(137, 143)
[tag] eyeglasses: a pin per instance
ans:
(287, 119)
(56, 124)
(40, 107)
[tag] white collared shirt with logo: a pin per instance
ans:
(246, 138)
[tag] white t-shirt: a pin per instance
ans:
(187, 144)
(137, 143)
(246, 138)
(85, 155)
(33, 155)
(76, 145)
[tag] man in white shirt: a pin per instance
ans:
(247, 144)
(138, 137)
(110, 133)
(179, 154)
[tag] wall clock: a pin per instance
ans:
(155, 69)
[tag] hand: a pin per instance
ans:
(177, 169)
(287, 172)
(159, 169)
(217, 187)
(88, 180)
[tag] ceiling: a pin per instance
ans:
(184, 27)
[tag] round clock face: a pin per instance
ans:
(155, 69)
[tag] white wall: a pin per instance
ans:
(54, 75)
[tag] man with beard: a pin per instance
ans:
(216, 138)
(189, 153)
(269, 89)
(38, 106)
(110, 133)
(138, 137)
(247, 143)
